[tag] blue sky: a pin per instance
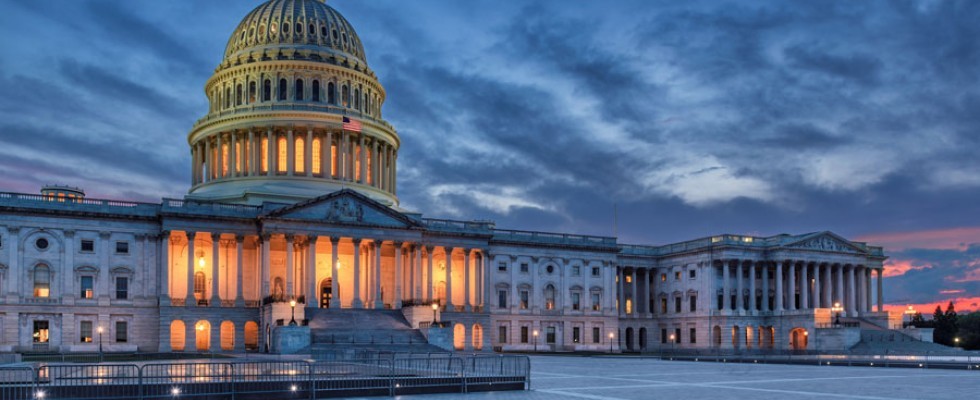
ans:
(690, 118)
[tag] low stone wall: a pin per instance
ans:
(290, 339)
(835, 339)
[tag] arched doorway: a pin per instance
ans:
(227, 336)
(278, 289)
(736, 342)
(629, 339)
(749, 337)
(459, 337)
(203, 335)
(441, 292)
(643, 339)
(716, 336)
(251, 336)
(177, 333)
(477, 337)
(798, 339)
(770, 341)
(326, 292)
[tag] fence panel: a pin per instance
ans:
(338, 378)
(268, 377)
(187, 380)
(435, 374)
(17, 383)
(103, 381)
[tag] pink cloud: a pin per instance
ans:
(946, 239)
(900, 267)
(961, 304)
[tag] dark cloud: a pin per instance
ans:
(935, 270)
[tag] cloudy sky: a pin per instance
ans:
(687, 118)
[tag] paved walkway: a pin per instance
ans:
(613, 378)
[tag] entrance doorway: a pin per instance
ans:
(798, 339)
(326, 292)
(40, 334)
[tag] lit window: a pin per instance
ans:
(85, 331)
(595, 302)
(357, 163)
(677, 275)
(283, 159)
(265, 155)
(87, 287)
(524, 299)
(629, 306)
(333, 160)
(370, 167)
(317, 156)
(663, 277)
(629, 279)
(299, 155)
(42, 281)
(238, 158)
(549, 297)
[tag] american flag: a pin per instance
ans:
(352, 125)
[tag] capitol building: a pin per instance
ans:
(292, 226)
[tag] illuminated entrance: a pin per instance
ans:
(326, 292)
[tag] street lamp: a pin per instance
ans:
(292, 320)
(435, 308)
(672, 339)
(535, 340)
(100, 343)
(957, 342)
(837, 309)
(610, 342)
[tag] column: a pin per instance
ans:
(290, 265)
(817, 297)
(308, 156)
(165, 269)
(804, 287)
(466, 281)
(398, 276)
(752, 303)
(643, 303)
(739, 286)
(779, 287)
(221, 156)
(633, 290)
(232, 154)
(867, 290)
(326, 158)
(881, 297)
(379, 301)
(190, 301)
(726, 298)
(357, 303)
(215, 253)
(840, 285)
(290, 153)
(208, 161)
(239, 274)
(417, 252)
(791, 285)
(858, 288)
(449, 278)
(266, 264)
(428, 276)
(271, 148)
(253, 159)
(363, 169)
(765, 287)
(312, 298)
(851, 303)
(620, 289)
(334, 273)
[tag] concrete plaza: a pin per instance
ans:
(558, 377)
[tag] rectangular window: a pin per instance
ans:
(524, 299)
(87, 287)
(524, 267)
(264, 155)
(122, 288)
(595, 271)
(677, 275)
(663, 305)
(629, 278)
(595, 335)
(692, 274)
(576, 335)
(549, 334)
(502, 299)
(523, 334)
(502, 267)
(85, 332)
(576, 270)
(694, 303)
(721, 302)
(87, 246)
(40, 334)
(677, 304)
(122, 335)
(663, 335)
(502, 334)
(693, 335)
(317, 157)
(576, 301)
(595, 302)
(677, 335)
(122, 247)
(663, 277)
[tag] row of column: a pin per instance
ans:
(796, 286)
(341, 155)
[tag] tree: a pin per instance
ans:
(918, 321)
(952, 322)
(969, 330)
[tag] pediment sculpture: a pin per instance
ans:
(345, 210)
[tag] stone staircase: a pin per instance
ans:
(349, 332)
(876, 339)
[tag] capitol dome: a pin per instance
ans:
(295, 113)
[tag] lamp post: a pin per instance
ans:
(292, 320)
(610, 342)
(535, 333)
(956, 342)
(837, 309)
(672, 339)
(100, 343)
(435, 308)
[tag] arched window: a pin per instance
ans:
(331, 97)
(345, 96)
(549, 297)
(317, 156)
(311, 29)
(299, 28)
(357, 99)
(238, 94)
(223, 162)
(200, 282)
(299, 155)
(267, 90)
(227, 97)
(251, 92)
(282, 89)
(283, 149)
(42, 281)
(299, 88)
(316, 91)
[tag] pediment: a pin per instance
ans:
(344, 207)
(826, 241)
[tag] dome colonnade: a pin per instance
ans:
(294, 113)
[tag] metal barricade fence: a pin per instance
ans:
(187, 380)
(363, 376)
(17, 383)
(419, 372)
(272, 377)
(102, 381)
